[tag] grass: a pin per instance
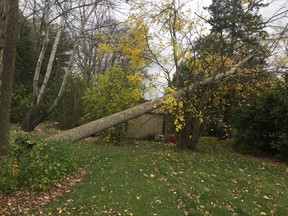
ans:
(147, 178)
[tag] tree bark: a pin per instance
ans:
(99, 125)
(52, 58)
(33, 117)
(8, 72)
(3, 23)
(40, 59)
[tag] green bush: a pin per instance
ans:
(38, 168)
(261, 125)
(117, 90)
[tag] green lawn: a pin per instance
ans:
(146, 178)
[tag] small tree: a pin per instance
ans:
(112, 92)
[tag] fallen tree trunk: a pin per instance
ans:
(99, 125)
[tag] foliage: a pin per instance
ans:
(190, 110)
(133, 44)
(112, 92)
(149, 178)
(261, 123)
(21, 101)
(240, 26)
(37, 168)
(130, 46)
(26, 52)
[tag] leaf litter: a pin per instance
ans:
(24, 200)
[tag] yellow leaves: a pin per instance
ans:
(170, 90)
(238, 87)
(117, 88)
(208, 64)
(105, 48)
(133, 43)
(170, 102)
(178, 126)
(180, 55)
(245, 1)
(15, 169)
(130, 44)
(175, 107)
(136, 94)
(99, 36)
(135, 79)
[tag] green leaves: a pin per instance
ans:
(261, 124)
(38, 168)
(117, 90)
(113, 91)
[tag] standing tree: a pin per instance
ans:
(8, 24)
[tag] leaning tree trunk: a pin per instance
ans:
(99, 125)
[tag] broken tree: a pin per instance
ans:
(99, 125)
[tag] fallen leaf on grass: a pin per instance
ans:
(267, 197)
(158, 201)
